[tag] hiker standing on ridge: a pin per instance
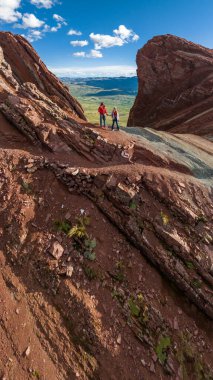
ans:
(103, 112)
(115, 118)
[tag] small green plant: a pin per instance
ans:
(90, 245)
(82, 241)
(190, 265)
(79, 229)
(165, 218)
(119, 296)
(196, 283)
(26, 187)
(119, 273)
(134, 308)
(90, 255)
(162, 348)
(90, 272)
(36, 374)
(139, 309)
(62, 226)
(132, 205)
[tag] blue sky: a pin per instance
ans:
(96, 38)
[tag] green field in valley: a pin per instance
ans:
(90, 98)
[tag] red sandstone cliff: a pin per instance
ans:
(21, 69)
(175, 87)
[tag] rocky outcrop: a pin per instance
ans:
(175, 87)
(21, 65)
(95, 227)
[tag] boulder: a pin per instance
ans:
(56, 250)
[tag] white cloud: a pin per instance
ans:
(29, 20)
(8, 10)
(124, 32)
(43, 3)
(73, 32)
(98, 71)
(95, 54)
(58, 18)
(60, 21)
(33, 35)
(105, 41)
(79, 43)
(121, 36)
(46, 28)
(92, 54)
(55, 28)
(135, 37)
(81, 54)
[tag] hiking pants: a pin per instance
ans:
(102, 120)
(115, 121)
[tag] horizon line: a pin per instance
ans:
(98, 71)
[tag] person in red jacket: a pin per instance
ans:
(102, 112)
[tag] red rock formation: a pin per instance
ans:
(20, 64)
(147, 198)
(175, 87)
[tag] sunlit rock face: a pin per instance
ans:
(175, 87)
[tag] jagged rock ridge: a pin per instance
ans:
(20, 65)
(175, 87)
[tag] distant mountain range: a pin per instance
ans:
(108, 86)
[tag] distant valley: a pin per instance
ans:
(119, 92)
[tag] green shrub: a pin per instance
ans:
(62, 226)
(161, 350)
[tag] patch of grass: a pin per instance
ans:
(134, 308)
(62, 226)
(139, 309)
(165, 218)
(164, 343)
